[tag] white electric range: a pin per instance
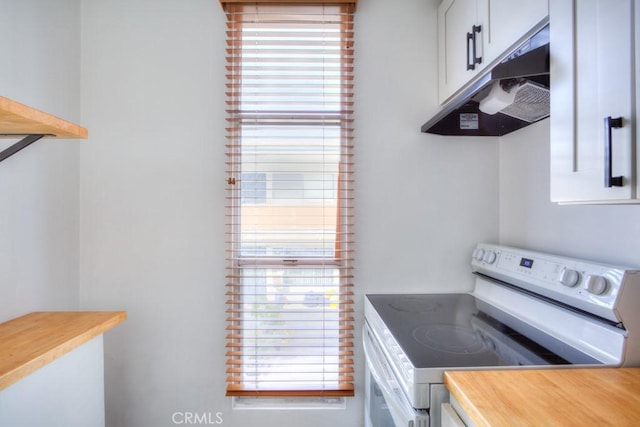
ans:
(528, 309)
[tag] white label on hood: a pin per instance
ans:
(469, 121)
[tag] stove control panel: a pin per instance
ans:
(589, 286)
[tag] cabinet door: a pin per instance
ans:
(591, 78)
(455, 20)
(510, 23)
(500, 24)
(449, 417)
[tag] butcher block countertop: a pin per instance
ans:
(549, 397)
(32, 341)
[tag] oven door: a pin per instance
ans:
(385, 402)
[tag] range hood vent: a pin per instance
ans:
(511, 95)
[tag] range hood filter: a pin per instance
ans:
(531, 103)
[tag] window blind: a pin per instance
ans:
(290, 189)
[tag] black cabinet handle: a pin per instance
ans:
(470, 39)
(609, 123)
(476, 29)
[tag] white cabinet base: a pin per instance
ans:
(68, 392)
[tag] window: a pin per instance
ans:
(290, 214)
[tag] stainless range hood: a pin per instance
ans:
(511, 95)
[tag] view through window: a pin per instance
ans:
(289, 212)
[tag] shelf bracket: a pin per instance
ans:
(26, 141)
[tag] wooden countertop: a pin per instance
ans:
(30, 342)
(549, 397)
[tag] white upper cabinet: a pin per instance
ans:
(457, 20)
(510, 21)
(593, 115)
(474, 33)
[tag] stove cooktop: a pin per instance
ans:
(458, 331)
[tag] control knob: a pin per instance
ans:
(596, 285)
(478, 254)
(489, 257)
(569, 277)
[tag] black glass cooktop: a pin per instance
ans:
(458, 330)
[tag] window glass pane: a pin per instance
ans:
(300, 167)
(288, 187)
(283, 356)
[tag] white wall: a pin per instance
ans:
(423, 201)
(152, 202)
(528, 219)
(152, 179)
(40, 51)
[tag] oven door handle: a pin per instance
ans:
(402, 412)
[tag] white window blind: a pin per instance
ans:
(289, 211)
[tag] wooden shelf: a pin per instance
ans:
(19, 119)
(32, 341)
